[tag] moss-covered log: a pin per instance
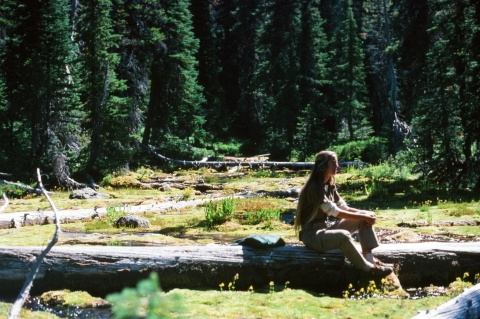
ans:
(100, 270)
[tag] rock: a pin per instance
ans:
(406, 236)
(87, 193)
(132, 222)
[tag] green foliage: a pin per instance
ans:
(217, 213)
(372, 150)
(175, 103)
(350, 88)
(114, 213)
(107, 180)
(270, 173)
(187, 193)
(42, 113)
(262, 215)
(147, 300)
(12, 191)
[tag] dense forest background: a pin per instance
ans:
(82, 82)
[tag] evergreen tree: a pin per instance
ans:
(446, 120)
(248, 115)
(349, 75)
(314, 124)
(43, 108)
(474, 96)
(6, 20)
(175, 97)
(139, 23)
(102, 93)
(412, 53)
(278, 75)
(228, 46)
(209, 67)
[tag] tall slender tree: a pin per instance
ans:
(278, 74)
(314, 131)
(446, 141)
(350, 74)
(248, 112)
(208, 66)
(43, 106)
(101, 89)
(174, 109)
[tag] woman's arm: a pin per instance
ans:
(355, 214)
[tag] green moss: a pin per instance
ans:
(66, 298)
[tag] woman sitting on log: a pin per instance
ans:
(318, 201)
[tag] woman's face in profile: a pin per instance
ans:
(332, 166)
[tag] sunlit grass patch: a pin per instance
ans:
(292, 303)
(24, 314)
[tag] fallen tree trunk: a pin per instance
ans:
(465, 306)
(31, 218)
(228, 163)
(104, 269)
(29, 189)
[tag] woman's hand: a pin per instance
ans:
(370, 217)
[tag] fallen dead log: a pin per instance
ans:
(103, 269)
(440, 223)
(465, 306)
(202, 163)
(31, 218)
(252, 164)
(29, 189)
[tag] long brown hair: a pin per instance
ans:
(316, 179)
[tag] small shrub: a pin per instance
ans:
(107, 180)
(256, 217)
(187, 193)
(266, 173)
(114, 213)
(462, 211)
(372, 150)
(147, 300)
(217, 213)
(13, 191)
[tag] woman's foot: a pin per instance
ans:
(380, 263)
(380, 271)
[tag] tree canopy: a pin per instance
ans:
(81, 81)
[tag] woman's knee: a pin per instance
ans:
(341, 236)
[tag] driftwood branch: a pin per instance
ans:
(23, 295)
(465, 306)
(5, 205)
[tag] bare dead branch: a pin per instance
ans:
(22, 296)
(5, 205)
